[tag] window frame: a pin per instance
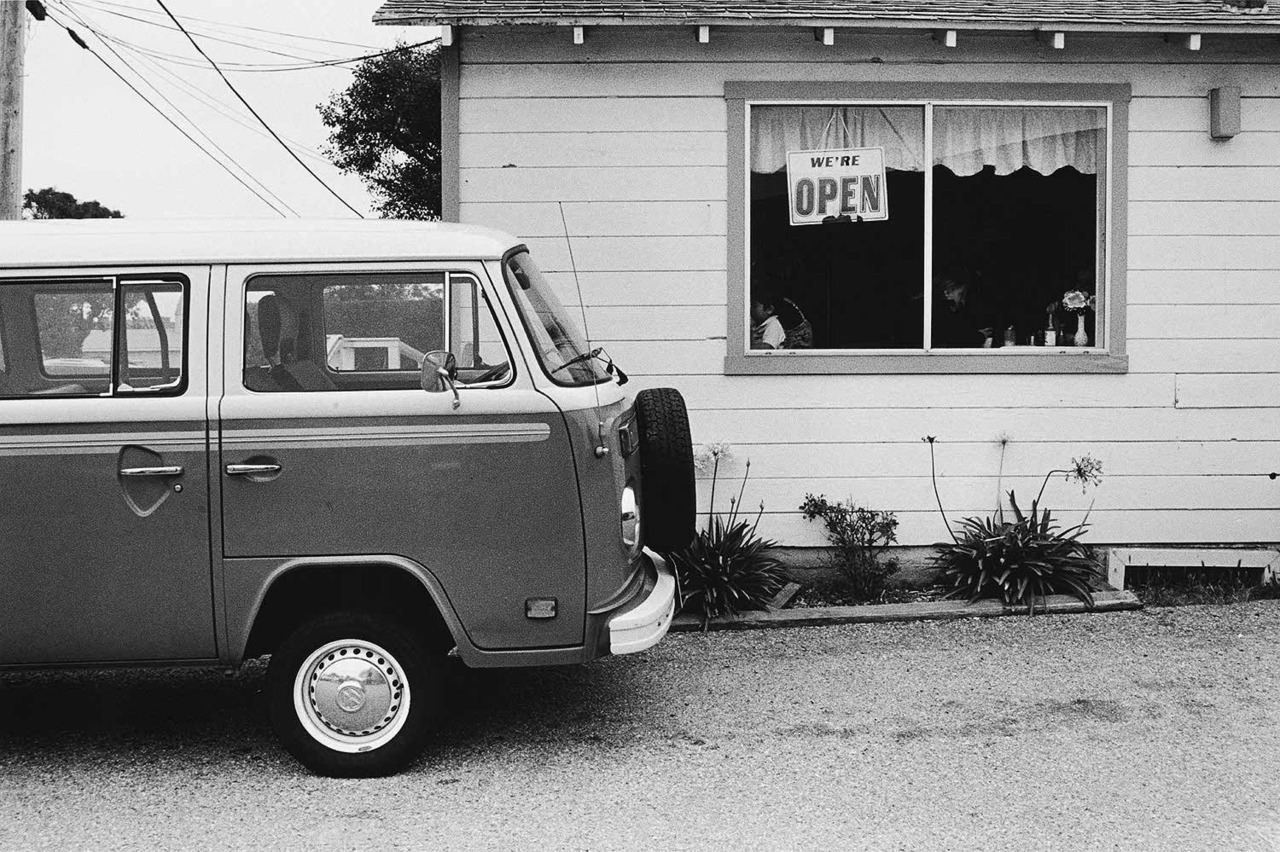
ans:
(331, 277)
(116, 283)
(1106, 357)
(323, 288)
(122, 330)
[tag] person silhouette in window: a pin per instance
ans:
(955, 324)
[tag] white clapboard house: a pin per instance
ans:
(1033, 230)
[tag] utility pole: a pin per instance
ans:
(13, 45)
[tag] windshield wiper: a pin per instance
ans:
(610, 368)
(578, 359)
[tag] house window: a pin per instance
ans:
(931, 230)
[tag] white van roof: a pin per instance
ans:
(99, 242)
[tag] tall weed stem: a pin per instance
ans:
(711, 507)
(1004, 445)
(733, 515)
(933, 476)
(1046, 482)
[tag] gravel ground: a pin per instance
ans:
(1140, 730)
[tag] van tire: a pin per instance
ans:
(365, 650)
(667, 491)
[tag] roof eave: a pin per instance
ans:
(1131, 27)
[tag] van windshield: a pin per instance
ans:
(559, 344)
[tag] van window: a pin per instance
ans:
(63, 339)
(560, 346)
(385, 326)
(74, 331)
(154, 336)
(474, 338)
(366, 331)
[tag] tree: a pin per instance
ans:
(386, 129)
(48, 203)
(66, 319)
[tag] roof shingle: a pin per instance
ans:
(1084, 14)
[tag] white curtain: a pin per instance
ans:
(777, 130)
(1043, 139)
(965, 139)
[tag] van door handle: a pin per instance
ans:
(172, 470)
(246, 469)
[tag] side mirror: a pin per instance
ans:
(439, 373)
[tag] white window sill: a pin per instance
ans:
(1022, 360)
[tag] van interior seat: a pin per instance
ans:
(278, 326)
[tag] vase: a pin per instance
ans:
(1082, 336)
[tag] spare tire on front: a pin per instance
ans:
(667, 491)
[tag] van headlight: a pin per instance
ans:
(630, 512)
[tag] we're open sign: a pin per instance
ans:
(843, 185)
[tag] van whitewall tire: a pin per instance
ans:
(392, 675)
(667, 492)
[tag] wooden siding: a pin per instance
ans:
(625, 137)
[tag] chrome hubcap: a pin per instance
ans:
(351, 695)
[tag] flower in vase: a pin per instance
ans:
(1077, 301)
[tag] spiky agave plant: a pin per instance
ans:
(727, 568)
(1018, 561)
(1022, 560)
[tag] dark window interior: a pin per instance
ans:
(1018, 241)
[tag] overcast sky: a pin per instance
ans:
(86, 133)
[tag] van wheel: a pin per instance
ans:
(352, 695)
(667, 493)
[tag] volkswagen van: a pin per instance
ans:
(356, 447)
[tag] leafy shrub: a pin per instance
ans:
(1268, 591)
(727, 568)
(1021, 560)
(859, 537)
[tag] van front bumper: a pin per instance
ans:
(644, 624)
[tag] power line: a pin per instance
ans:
(185, 117)
(210, 36)
(230, 26)
(216, 104)
(221, 32)
(79, 41)
(260, 67)
(239, 67)
(236, 92)
(340, 62)
(221, 107)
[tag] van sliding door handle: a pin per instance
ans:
(173, 470)
(245, 469)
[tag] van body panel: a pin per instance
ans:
(610, 564)
(248, 581)
(497, 506)
(97, 564)
(69, 243)
(484, 495)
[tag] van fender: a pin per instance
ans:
(247, 582)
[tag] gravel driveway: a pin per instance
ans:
(1145, 730)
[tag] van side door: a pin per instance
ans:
(331, 451)
(104, 490)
